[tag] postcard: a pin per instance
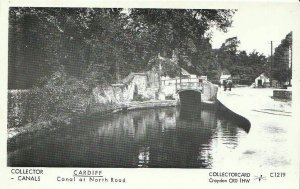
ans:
(142, 94)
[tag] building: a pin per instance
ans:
(262, 81)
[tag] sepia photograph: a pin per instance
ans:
(148, 88)
(130, 94)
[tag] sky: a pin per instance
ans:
(256, 27)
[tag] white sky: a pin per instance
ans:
(255, 28)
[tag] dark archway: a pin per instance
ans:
(190, 100)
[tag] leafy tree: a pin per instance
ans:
(103, 45)
(281, 68)
(42, 39)
(240, 64)
(181, 29)
(230, 45)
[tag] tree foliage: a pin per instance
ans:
(240, 64)
(97, 45)
(184, 30)
(281, 67)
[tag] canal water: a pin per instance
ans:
(164, 137)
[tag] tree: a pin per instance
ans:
(282, 60)
(181, 29)
(240, 64)
(87, 41)
(42, 39)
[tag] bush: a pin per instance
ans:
(170, 97)
(16, 108)
(139, 98)
(59, 99)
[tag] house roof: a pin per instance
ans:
(184, 72)
(263, 75)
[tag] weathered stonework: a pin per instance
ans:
(141, 84)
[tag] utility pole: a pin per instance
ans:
(271, 71)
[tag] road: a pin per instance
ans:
(272, 135)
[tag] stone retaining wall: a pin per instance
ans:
(210, 91)
(282, 94)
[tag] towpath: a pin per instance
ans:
(269, 143)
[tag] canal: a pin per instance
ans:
(163, 137)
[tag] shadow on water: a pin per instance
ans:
(186, 113)
(163, 137)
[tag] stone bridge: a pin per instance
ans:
(193, 94)
(138, 84)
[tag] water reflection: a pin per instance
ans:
(164, 137)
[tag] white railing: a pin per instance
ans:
(190, 86)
